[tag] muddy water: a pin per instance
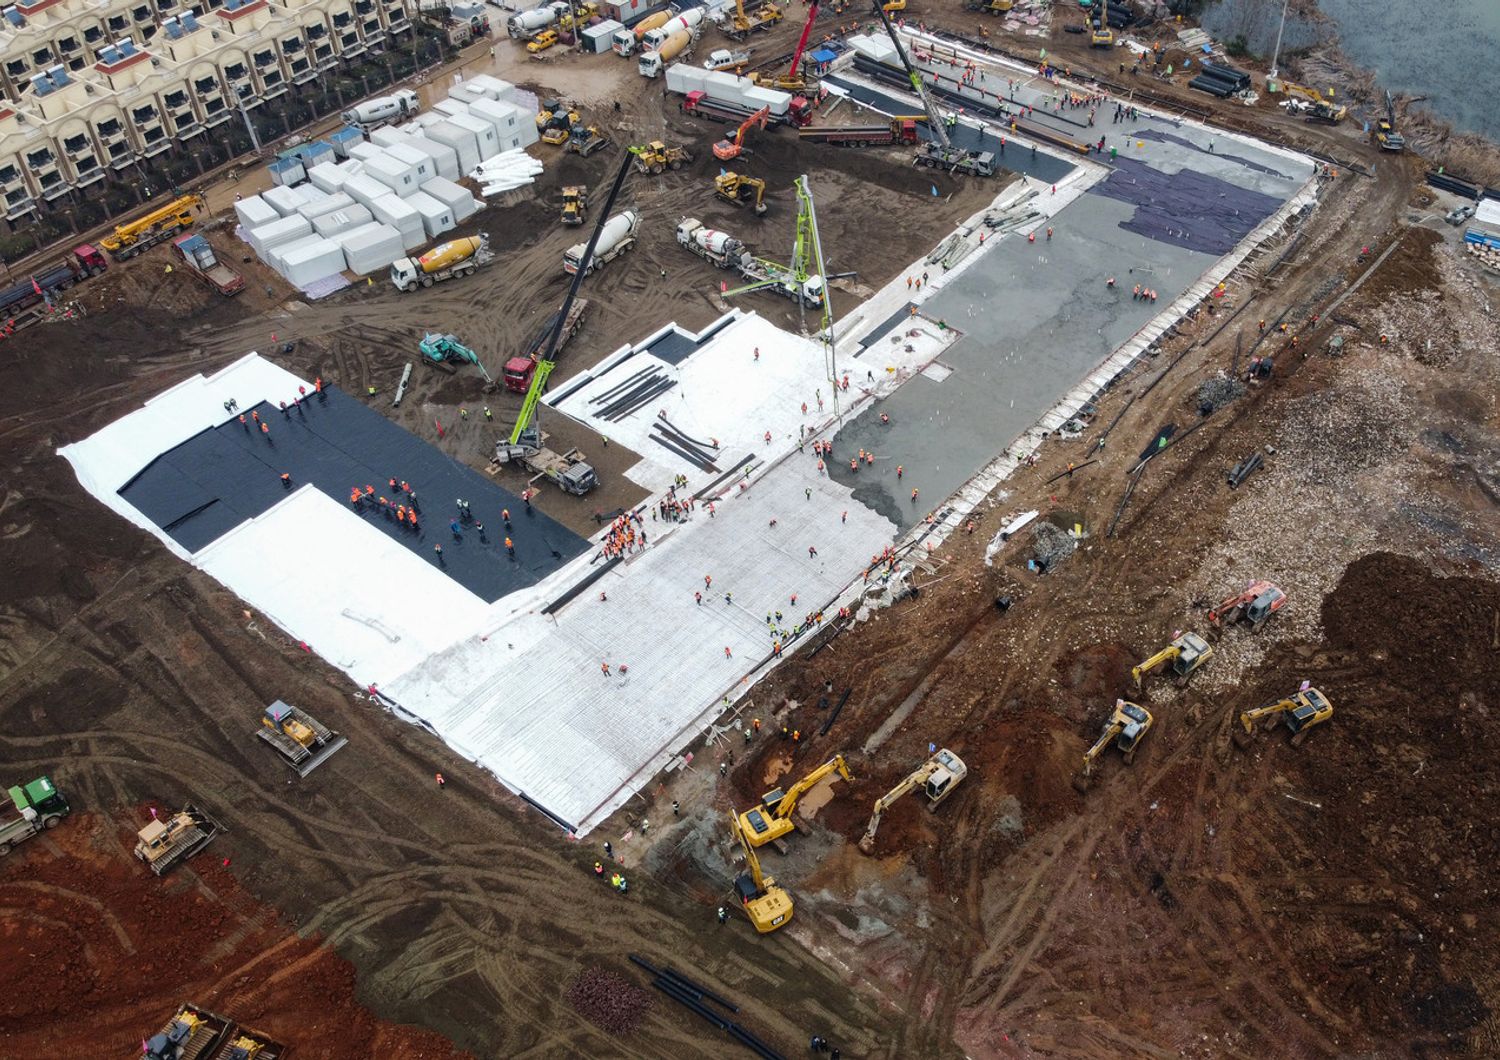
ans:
(1444, 51)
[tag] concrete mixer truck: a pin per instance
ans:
(617, 236)
(457, 257)
(720, 248)
(653, 62)
(382, 110)
(626, 41)
(528, 23)
(687, 22)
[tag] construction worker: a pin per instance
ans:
(604, 668)
(441, 783)
(727, 653)
(463, 413)
(812, 551)
(723, 915)
(488, 415)
(698, 599)
(899, 472)
(914, 493)
(286, 480)
(510, 548)
(599, 869)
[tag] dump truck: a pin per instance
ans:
(165, 842)
(518, 371)
(383, 110)
(34, 807)
(719, 248)
(19, 299)
(896, 131)
(198, 256)
(161, 224)
(457, 257)
(653, 62)
(191, 1034)
(617, 237)
(302, 740)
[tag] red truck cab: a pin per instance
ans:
(90, 259)
(517, 374)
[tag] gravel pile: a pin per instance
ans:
(1219, 391)
(1050, 546)
(608, 1001)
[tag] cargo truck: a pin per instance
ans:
(896, 131)
(617, 237)
(457, 257)
(653, 62)
(199, 258)
(382, 110)
(719, 248)
(627, 41)
(33, 807)
(518, 371)
(24, 303)
(796, 110)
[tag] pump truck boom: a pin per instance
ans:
(938, 776)
(772, 819)
(1127, 724)
(1186, 653)
(767, 905)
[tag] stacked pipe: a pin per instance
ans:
(693, 997)
(1119, 15)
(1459, 187)
(672, 439)
(1221, 81)
(625, 398)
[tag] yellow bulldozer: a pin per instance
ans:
(772, 819)
(166, 841)
(1187, 653)
(1127, 724)
(575, 204)
(1302, 711)
(303, 741)
(767, 905)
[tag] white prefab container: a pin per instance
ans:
(313, 200)
(452, 196)
(444, 158)
(365, 152)
(365, 190)
(333, 178)
(598, 38)
(483, 132)
(371, 247)
(399, 176)
(461, 141)
(451, 106)
(254, 212)
(493, 87)
(345, 220)
(436, 218)
(685, 77)
(465, 92)
(337, 201)
(287, 171)
(388, 135)
(417, 159)
(306, 265)
(273, 256)
(283, 200)
(403, 217)
(514, 127)
(269, 236)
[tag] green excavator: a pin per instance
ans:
(446, 352)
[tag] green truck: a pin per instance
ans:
(34, 806)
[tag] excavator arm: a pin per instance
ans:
(889, 799)
(1113, 729)
(1166, 655)
(783, 805)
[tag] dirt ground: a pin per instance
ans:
(1322, 901)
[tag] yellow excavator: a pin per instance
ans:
(1187, 654)
(772, 819)
(134, 237)
(767, 905)
(742, 190)
(1315, 106)
(1303, 710)
(937, 776)
(1126, 725)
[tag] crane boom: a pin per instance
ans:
(812, 14)
(934, 120)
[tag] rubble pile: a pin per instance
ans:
(608, 1001)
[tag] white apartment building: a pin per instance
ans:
(90, 86)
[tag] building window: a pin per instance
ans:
(16, 68)
(92, 34)
(109, 128)
(205, 85)
(154, 134)
(38, 159)
(213, 106)
(17, 197)
(8, 174)
(76, 143)
(316, 32)
(291, 46)
(176, 99)
(87, 165)
(68, 44)
(118, 149)
(272, 78)
(117, 23)
(41, 56)
(235, 72)
(341, 20)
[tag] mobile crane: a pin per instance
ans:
(729, 149)
(767, 905)
(1257, 603)
(792, 80)
(135, 237)
(1301, 711)
(1127, 723)
(742, 25)
(1186, 653)
(772, 819)
(937, 776)
(941, 154)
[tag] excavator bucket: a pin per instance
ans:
(1082, 782)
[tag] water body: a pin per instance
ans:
(1442, 51)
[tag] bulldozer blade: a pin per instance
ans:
(328, 750)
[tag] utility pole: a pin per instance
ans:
(249, 125)
(1276, 53)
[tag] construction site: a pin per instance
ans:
(893, 533)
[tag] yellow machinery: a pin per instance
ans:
(303, 741)
(1385, 129)
(556, 136)
(1301, 711)
(1259, 601)
(1100, 35)
(133, 237)
(729, 149)
(767, 905)
(742, 190)
(792, 80)
(772, 819)
(766, 16)
(1318, 107)
(1126, 725)
(938, 776)
(893, 6)
(1186, 654)
(575, 206)
(991, 7)
(163, 843)
(192, 1032)
(656, 156)
(556, 114)
(584, 11)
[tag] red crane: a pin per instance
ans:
(792, 80)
